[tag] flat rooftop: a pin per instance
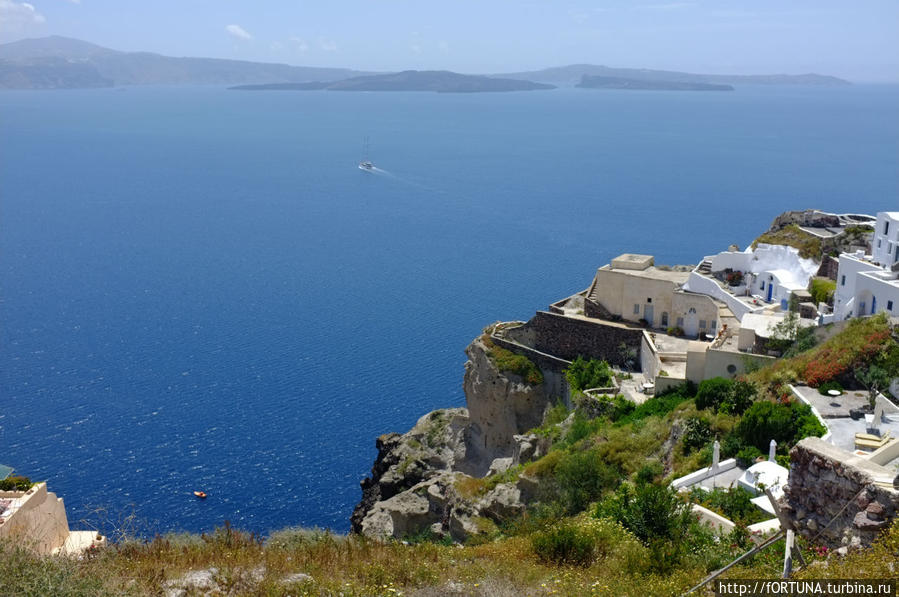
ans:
(651, 273)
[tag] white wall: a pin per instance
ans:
(699, 283)
(847, 278)
(884, 244)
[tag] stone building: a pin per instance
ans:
(632, 288)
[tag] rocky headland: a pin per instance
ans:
(417, 484)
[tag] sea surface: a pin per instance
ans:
(199, 289)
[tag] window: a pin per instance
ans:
(702, 324)
(889, 305)
(713, 325)
(861, 308)
(636, 309)
(886, 227)
(897, 251)
(680, 322)
(731, 368)
(649, 299)
(763, 284)
(879, 240)
(842, 281)
(692, 311)
(664, 319)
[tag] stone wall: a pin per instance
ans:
(828, 268)
(824, 479)
(570, 337)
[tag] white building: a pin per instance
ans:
(863, 286)
(885, 246)
(770, 273)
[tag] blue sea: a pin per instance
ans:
(199, 289)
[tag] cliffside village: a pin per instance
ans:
(669, 325)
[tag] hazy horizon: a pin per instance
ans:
(826, 37)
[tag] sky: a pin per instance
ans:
(855, 40)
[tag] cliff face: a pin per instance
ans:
(500, 406)
(412, 487)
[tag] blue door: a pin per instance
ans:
(873, 305)
(770, 291)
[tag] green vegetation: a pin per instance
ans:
(583, 374)
(784, 423)
(660, 405)
(822, 290)
(793, 236)
(865, 342)
(733, 503)
(725, 395)
(15, 483)
(509, 362)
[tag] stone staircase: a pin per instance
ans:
(705, 267)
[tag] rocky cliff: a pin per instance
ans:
(415, 480)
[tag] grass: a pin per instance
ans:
(509, 362)
(793, 236)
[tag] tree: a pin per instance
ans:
(875, 379)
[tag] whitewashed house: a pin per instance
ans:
(770, 273)
(885, 246)
(863, 286)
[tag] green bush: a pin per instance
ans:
(564, 544)
(510, 362)
(675, 331)
(734, 503)
(747, 456)
(583, 374)
(713, 392)
(649, 511)
(697, 433)
(660, 405)
(15, 483)
(784, 423)
(822, 290)
(582, 477)
(724, 395)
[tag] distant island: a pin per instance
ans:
(440, 81)
(572, 75)
(63, 63)
(600, 82)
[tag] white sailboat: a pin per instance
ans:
(366, 164)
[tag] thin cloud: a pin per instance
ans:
(17, 16)
(328, 45)
(238, 32)
(665, 6)
(299, 44)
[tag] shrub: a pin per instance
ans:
(15, 483)
(581, 478)
(649, 511)
(517, 364)
(697, 433)
(784, 423)
(747, 456)
(712, 392)
(822, 290)
(661, 404)
(583, 374)
(734, 278)
(564, 544)
(734, 503)
(675, 331)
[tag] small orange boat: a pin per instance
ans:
(200, 494)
